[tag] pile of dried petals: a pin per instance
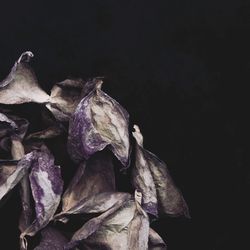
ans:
(97, 130)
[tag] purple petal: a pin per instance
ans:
(99, 121)
(46, 186)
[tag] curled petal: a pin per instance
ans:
(152, 178)
(21, 85)
(99, 121)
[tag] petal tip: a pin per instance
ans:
(25, 57)
(137, 135)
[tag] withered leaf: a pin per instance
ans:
(99, 121)
(92, 190)
(124, 226)
(21, 85)
(152, 178)
(46, 186)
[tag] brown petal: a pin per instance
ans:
(125, 226)
(93, 187)
(142, 179)
(64, 98)
(152, 174)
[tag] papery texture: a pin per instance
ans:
(46, 186)
(12, 174)
(92, 190)
(64, 98)
(152, 178)
(124, 226)
(99, 121)
(21, 85)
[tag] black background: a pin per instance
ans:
(181, 69)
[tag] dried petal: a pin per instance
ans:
(155, 242)
(125, 226)
(153, 179)
(99, 121)
(9, 122)
(17, 151)
(11, 127)
(64, 98)
(46, 186)
(7, 126)
(48, 133)
(92, 190)
(21, 85)
(51, 239)
(11, 174)
(143, 181)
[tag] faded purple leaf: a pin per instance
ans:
(124, 226)
(99, 121)
(152, 178)
(51, 239)
(155, 242)
(21, 85)
(46, 186)
(92, 190)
